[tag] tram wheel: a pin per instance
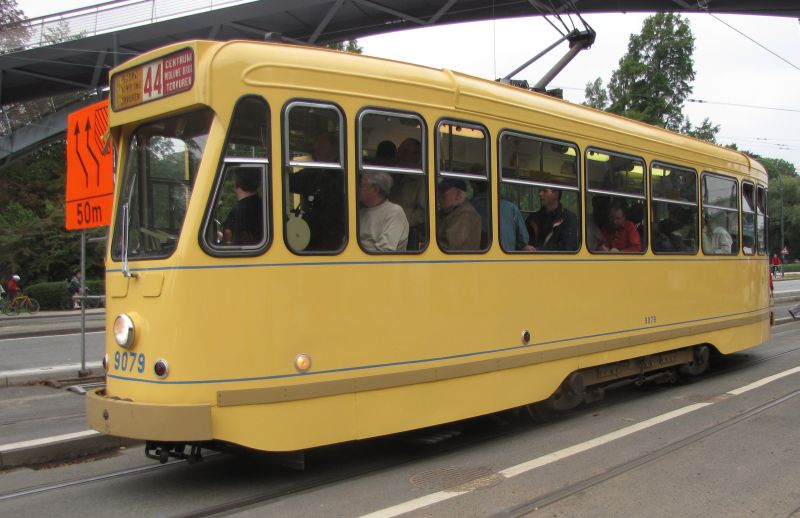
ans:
(702, 354)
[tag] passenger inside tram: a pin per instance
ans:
(322, 204)
(552, 227)
(619, 234)
(245, 222)
(382, 225)
(459, 225)
(409, 192)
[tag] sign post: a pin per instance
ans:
(90, 186)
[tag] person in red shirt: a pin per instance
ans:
(776, 264)
(12, 286)
(619, 234)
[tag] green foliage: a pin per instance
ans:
(347, 46)
(51, 295)
(705, 131)
(596, 96)
(33, 241)
(654, 78)
(784, 200)
(13, 35)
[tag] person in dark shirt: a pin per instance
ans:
(552, 228)
(323, 202)
(245, 222)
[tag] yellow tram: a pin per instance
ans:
(543, 249)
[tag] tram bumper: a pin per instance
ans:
(185, 423)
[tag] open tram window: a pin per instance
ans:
(616, 202)
(392, 160)
(539, 194)
(464, 212)
(720, 196)
(762, 219)
(237, 221)
(748, 218)
(314, 187)
(161, 165)
(674, 209)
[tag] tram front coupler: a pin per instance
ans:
(162, 451)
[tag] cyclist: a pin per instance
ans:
(74, 289)
(13, 287)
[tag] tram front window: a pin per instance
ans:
(161, 166)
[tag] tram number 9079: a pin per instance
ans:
(128, 361)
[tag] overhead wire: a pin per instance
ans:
(753, 40)
(702, 101)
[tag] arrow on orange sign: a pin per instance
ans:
(89, 147)
(78, 154)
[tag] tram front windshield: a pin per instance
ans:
(161, 166)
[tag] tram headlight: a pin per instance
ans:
(124, 331)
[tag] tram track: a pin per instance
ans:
(37, 490)
(547, 499)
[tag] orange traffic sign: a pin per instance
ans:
(90, 168)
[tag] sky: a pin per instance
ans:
(750, 92)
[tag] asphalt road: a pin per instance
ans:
(38, 351)
(718, 446)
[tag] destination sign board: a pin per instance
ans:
(162, 77)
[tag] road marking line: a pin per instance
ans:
(762, 382)
(48, 336)
(46, 440)
(441, 496)
(418, 503)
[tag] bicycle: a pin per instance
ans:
(91, 301)
(21, 303)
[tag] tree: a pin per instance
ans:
(33, 241)
(13, 34)
(783, 200)
(596, 95)
(705, 131)
(347, 46)
(654, 77)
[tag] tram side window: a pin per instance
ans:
(674, 209)
(616, 201)
(315, 206)
(761, 219)
(720, 215)
(462, 189)
(539, 187)
(748, 218)
(238, 215)
(392, 165)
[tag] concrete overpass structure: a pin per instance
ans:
(74, 50)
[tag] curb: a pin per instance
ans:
(23, 377)
(32, 333)
(71, 446)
